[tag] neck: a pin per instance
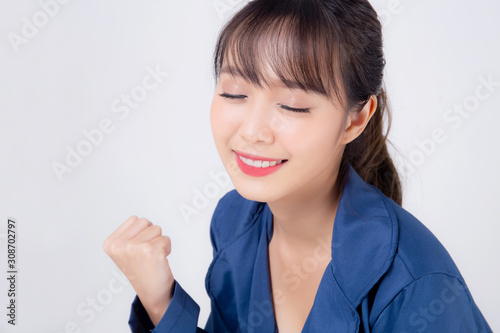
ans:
(305, 221)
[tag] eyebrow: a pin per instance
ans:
(279, 83)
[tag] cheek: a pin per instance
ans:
(217, 118)
(222, 122)
(317, 141)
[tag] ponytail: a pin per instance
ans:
(369, 156)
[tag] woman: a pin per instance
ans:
(313, 238)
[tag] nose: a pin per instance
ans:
(256, 124)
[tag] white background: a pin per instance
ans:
(66, 76)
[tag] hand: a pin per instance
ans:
(140, 251)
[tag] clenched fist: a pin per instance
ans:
(140, 251)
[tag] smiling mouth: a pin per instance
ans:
(260, 163)
(257, 166)
(257, 161)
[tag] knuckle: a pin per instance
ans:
(144, 222)
(108, 245)
(114, 248)
(130, 248)
(167, 244)
(146, 249)
(105, 245)
(156, 229)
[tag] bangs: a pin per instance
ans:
(293, 40)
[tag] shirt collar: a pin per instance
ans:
(364, 238)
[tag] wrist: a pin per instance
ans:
(156, 309)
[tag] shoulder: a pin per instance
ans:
(419, 248)
(436, 302)
(423, 287)
(418, 252)
(233, 216)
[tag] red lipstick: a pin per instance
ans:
(257, 171)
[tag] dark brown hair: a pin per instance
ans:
(329, 47)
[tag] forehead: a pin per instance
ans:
(272, 79)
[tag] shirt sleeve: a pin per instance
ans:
(433, 303)
(181, 315)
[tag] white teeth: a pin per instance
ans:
(259, 164)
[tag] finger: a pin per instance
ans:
(163, 243)
(148, 234)
(111, 238)
(124, 226)
(135, 228)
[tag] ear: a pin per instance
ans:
(356, 123)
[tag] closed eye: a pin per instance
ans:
(289, 108)
(226, 95)
(285, 107)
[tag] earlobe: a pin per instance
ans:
(357, 122)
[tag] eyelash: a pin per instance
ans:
(304, 110)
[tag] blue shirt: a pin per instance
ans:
(388, 273)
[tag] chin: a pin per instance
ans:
(251, 188)
(254, 191)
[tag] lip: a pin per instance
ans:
(253, 171)
(257, 157)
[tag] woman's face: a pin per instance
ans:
(250, 120)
